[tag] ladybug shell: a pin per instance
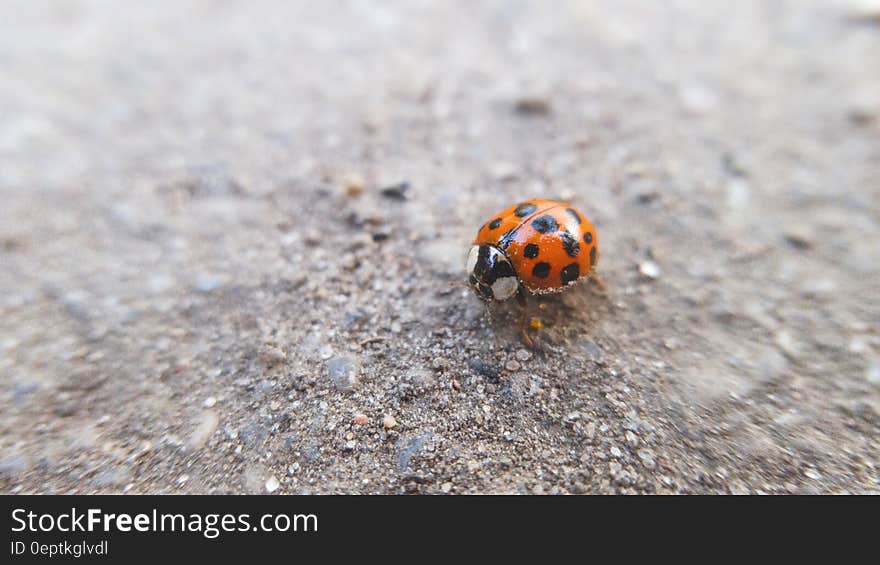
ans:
(550, 244)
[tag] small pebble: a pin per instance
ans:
(209, 402)
(353, 184)
(649, 269)
(512, 365)
(208, 283)
(272, 484)
(632, 439)
(523, 355)
(590, 430)
(360, 419)
(342, 372)
(532, 106)
(647, 458)
(272, 354)
(388, 422)
(616, 453)
(396, 192)
(326, 352)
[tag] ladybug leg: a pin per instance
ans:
(524, 318)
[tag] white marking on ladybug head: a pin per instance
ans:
(504, 287)
(472, 257)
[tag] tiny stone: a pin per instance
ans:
(446, 487)
(360, 419)
(396, 192)
(342, 372)
(532, 106)
(209, 402)
(649, 269)
(590, 430)
(632, 439)
(349, 445)
(647, 457)
(512, 365)
(353, 184)
(388, 422)
(799, 238)
(272, 484)
(523, 355)
(811, 473)
(271, 354)
(208, 283)
(326, 352)
(616, 453)
(203, 429)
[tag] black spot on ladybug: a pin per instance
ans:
(588, 237)
(571, 245)
(570, 273)
(504, 240)
(493, 225)
(524, 209)
(541, 270)
(531, 251)
(593, 257)
(545, 224)
(574, 215)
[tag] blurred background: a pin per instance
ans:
(228, 232)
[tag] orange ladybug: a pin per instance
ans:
(538, 245)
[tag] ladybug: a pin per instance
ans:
(539, 246)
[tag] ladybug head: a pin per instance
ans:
(490, 273)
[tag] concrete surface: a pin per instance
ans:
(204, 288)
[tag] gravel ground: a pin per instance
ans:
(229, 230)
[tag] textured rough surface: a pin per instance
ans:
(215, 213)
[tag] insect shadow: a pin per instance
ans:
(550, 318)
